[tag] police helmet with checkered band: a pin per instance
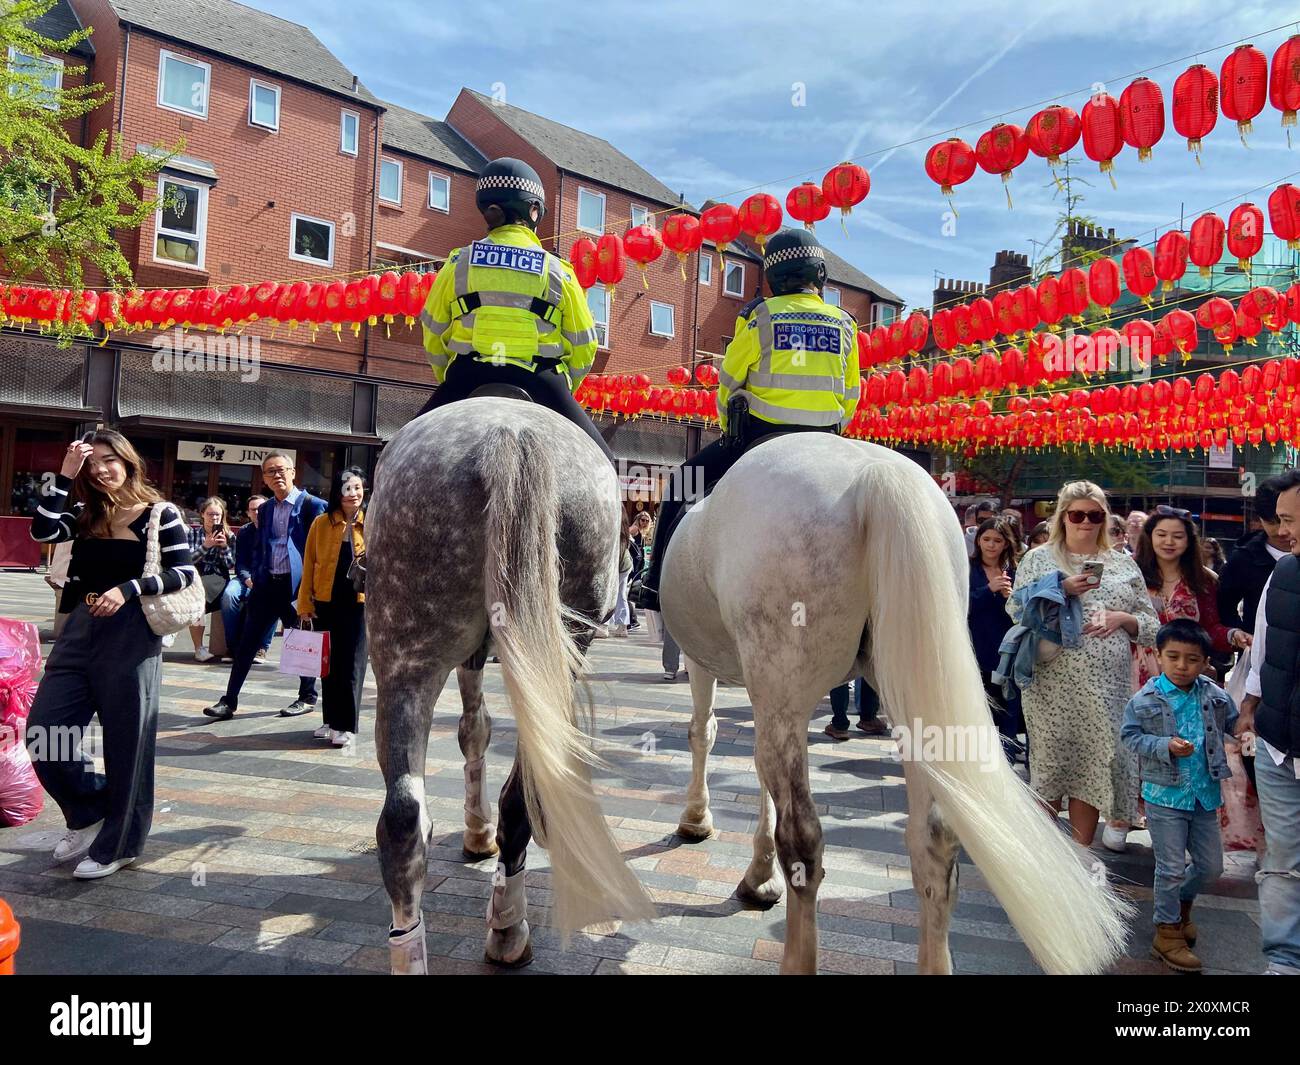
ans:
(512, 185)
(792, 260)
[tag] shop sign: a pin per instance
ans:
(232, 454)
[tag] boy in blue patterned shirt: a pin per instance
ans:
(1176, 724)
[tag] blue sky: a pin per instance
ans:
(702, 95)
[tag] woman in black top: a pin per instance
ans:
(212, 549)
(107, 663)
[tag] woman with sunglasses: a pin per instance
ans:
(1075, 705)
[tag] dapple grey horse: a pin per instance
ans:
(816, 560)
(494, 524)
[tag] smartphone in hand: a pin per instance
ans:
(1093, 571)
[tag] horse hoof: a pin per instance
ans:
(477, 846)
(765, 895)
(697, 831)
(509, 948)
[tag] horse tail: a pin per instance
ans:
(925, 668)
(539, 664)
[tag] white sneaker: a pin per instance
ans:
(169, 639)
(670, 677)
(323, 733)
(340, 739)
(89, 869)
(620, 631)
(76, 841)
(1115, 839)
(203, 655)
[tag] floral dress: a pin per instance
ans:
(1075, 705)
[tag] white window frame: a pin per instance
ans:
(163, 56)
(253, 86)
(344, 115)
(706, 260)
(294, 218)
(48, 60)
(401, 176)
(826, 295)
(602, 345)
(877, 314)
(200, 233)
(648, 220)
(727, 264)
(672, 319)
(598, 195)
(442, 177)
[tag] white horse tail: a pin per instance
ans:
(539, 664)
(930, 684)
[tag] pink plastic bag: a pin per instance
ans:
(21, 796)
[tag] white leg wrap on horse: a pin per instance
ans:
(477, 803)
(507, 907)
(406, 952)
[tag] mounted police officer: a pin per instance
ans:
(792, 367)
(506, 311)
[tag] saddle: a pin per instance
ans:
(501, 390)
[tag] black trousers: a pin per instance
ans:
(341, 688)
(547, 387)
(711, 462)
(267, 604)
(110, 668)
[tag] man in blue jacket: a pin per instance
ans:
(282, 524)
(235, 598)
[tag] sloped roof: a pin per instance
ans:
(838, 269)
(410, 131)
(581, 153)
(61, 21)
(248, 35)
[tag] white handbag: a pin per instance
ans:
(171, 611)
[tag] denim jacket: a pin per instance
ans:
(1047, 612)
(1149, 726)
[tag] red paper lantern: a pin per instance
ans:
(1103, 282)
(1074, 293)
(1004, 313)
(941, 325)
(1243, 86)
(583, 257)
(916, 330)
(1284, 213)
(1103, 133)
(1024, 305)
(1284, 80)
(1259, 302)
(950, 163)
(1140, 272)
(1181, 328)
(682, 235)
(1052, 132)
(1171, 258)
(643, 245)
(760, 217)
(1205, 248)
(109, 311)
(1196, 104)
(720, 224)
(1001, 150)
(1139, 336)
(983, 322)
(845, 186)
(611, 264)
(1245, 236)
(1215, 313)
(408, 296)
(805, 203)
(678, 376)
(1049, 301)
(1142, 115)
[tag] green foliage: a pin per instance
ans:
(59, 202)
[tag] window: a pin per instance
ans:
(642, 216)
(598, 301)
(390, 181)
(263, 105)
(439, 192)
(661, 319)
(883, 314)
(49, 71)
(706, 269)
(183, 84)
(733, 280)
(312, 240)
(181, 222)
(350, 124)
(831, 295)
(591, 211)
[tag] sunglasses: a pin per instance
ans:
(1092, 517)
(1172, 512)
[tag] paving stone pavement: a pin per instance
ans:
(262, 857)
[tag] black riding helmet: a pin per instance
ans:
(794, 260)
(513, 186)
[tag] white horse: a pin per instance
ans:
(816, 560)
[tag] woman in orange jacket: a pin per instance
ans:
(329, 596)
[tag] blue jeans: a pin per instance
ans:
(1279, 875)
(865, 698)
(1176, 834)
(233, 613)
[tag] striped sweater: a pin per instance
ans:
(56, 522)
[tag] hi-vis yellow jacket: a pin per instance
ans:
(506, 299)
(795, 359)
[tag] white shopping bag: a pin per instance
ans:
(305, 653)
(1235, 682)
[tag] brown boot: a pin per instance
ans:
(1170, 947)
(1187, 924)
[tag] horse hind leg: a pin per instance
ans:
(508, 939)
(402, 722)
(762, 885)
(697, 822)
(474, 734)
(932, 850)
